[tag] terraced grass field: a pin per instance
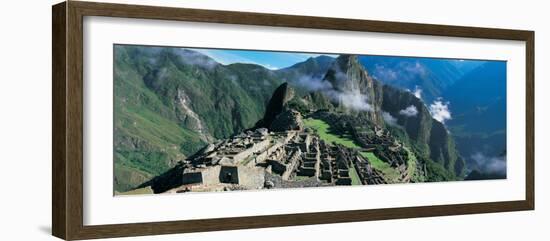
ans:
(323, 130)
(355, 180)
(391, 175)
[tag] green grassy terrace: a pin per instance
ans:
(391, 174)
(324, 132)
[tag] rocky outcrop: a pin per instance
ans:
(416, 125)
(189, 117)
(429, 135)
(305, 76)
(347, 75)
(278, 115)
(356, 92)
(353, 89)
(276, 105)
(288, 120)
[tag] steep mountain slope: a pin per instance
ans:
(313, 67)
(428, 136)
(432, 76)
(353, 91)
(170, 102)
(479, 105)
(308, 75)
(282, 95)
(480, 98)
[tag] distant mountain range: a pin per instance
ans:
(478, 101)
(476, 95)
(431, 76)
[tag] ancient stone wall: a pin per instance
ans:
(210, 175)
(241, 156)
(251, 177)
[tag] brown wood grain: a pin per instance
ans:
(58, 121)
(530, 120)
(67, 119)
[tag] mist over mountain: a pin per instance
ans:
(468, 96)
(172, 102)
(479, 121)
(431, 76)
(308, 75)
(479, 98)
(349, 88)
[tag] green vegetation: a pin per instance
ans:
(427, 137)
(355, 180)
(301, 178)
(169, 102)
(437, 173)
(391, 175)
(413, 168)
(324, 131)
(127, 177)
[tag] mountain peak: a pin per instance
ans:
(347, 57)
(319, 63)
(321, 59)
(276, 104)
(195, 58)
(348, 60)
(348, 75)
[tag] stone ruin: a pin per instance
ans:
(263, 159)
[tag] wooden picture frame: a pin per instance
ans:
(67, 137)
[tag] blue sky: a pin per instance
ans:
(270, 60)
(278, 60)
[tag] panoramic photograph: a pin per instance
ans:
(209, 120)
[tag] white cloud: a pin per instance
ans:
(386, 74)
(268, 66)
(490, 164)
(400, 73)
(389, 119)
(313, 84)
(351, 99)
(409, 111)
(417, 92)
(440, 110)
(414, 69)
(350, 95)
(194, 58)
